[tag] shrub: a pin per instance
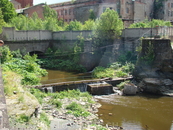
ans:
(101, 72)
(44, 118)
(77, 110)
(23, 118)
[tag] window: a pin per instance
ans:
(62, 12)
(171, 5)
(69, 11)
(65, 12)
(171, 13)
(127, 10)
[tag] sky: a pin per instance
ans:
(49, 1)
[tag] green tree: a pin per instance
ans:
(88, 25)
(2, 23)
(108, 26)
(74, 26)
(148, 24)
(92, 15)
(8, 10)
(48, 12)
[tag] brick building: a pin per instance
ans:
(25, 3)
(28, 11)
(16, 4)
(129, 10)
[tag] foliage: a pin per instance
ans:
(91, 15)
(5, 54)
(22, 22)
(125, 57)
(25, 66)
(150, 24)
(2, 22)
(115, 69)
(44, 118)
(108, 26)
(74, 26)
(77, 110)
(60, 64)
(38, 94)
(49, 13)
(101, 72)
(8, 10)
(88, 25)
(67, 60)
(11, 82)
(149, 56)
(121, 85)
(56, 102)
(23, 118)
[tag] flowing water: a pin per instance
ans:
(142, 112)
(55, 76)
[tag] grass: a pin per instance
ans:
(116, 69)
(44, 118)
(77, 110)
(121, 85)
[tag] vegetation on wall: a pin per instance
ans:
(150, 24)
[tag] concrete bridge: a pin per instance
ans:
(40, 40)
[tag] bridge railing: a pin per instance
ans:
(10, 34)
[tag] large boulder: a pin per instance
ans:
(129, 89)
(156, 85)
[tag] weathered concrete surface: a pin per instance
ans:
(100, 88)
(155, 66)
(4, 122)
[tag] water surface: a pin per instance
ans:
(143, 112)
(55, 76)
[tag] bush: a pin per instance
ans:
(44, 118)
(101, 72)
(23, 118)
(77, 110)
(65, 65)
(25, 66)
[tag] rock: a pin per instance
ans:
(110, 114)
(152, 81)
(14, 92)
(129, 89)
(154, 68)
(167, 82)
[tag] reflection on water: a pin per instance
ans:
(55, 76)
(137, 112)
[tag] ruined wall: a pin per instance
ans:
(82, 13)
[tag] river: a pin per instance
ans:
(141, 112)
